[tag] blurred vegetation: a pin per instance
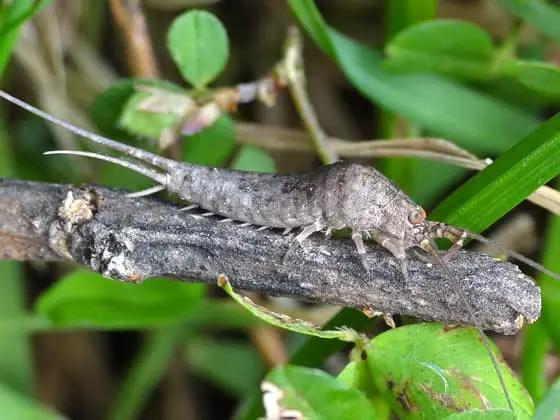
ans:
(483, 75)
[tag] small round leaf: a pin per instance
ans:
(456, 48)
(198, 44)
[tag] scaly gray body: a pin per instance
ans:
(340, 195)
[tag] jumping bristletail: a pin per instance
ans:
(336, 196)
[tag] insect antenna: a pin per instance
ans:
(514, 254)
(147, 157)
(430, 246)
(150, 173)
(457, 235)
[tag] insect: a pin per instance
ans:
(336, 196)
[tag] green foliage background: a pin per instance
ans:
(442, 77)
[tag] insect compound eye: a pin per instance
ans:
(417, 216)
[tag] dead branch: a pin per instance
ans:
(131, 239)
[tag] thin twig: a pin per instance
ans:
(139, 52)
(293, 66)
(131, 239)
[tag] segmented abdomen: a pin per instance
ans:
(274, 200)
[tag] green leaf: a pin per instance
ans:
(400, 14)
(198, 43)
(235, 367)
(12, 16)
(16, 369)
(107, 108)
(212, 146)
(214, 314)
(450, 47)
(115, 115)
(473, 120)
(150, 124)
(18, 406)
(541, 77)
(532, 360)
(286, 322)
(311, 352)
(254, 159)
(147, 368)
(549, 407)
(550, 288)
(426, 370)
(86, 298)
(542, 16)
(491, 193)
(318, 395)
(356, 375)
(492, 414)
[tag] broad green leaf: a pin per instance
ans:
(235, 367)
(209, 313)
(356, 375)
(491, 414)
(542, 16)
(85, 298)
(426, 371)
(318, 395)
(12, 15)
(490, 194)
(541, 77)
(254, 159)
(549, 407)
(452, 47)
(198, 43)
(145, 372)
(212, 146)
(473, 120)
(18, 406)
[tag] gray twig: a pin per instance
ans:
(131, 239)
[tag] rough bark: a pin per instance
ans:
(131, 239)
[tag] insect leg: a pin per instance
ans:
(302, 236)
(456, 235)
(357, 237)
(395, 247)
